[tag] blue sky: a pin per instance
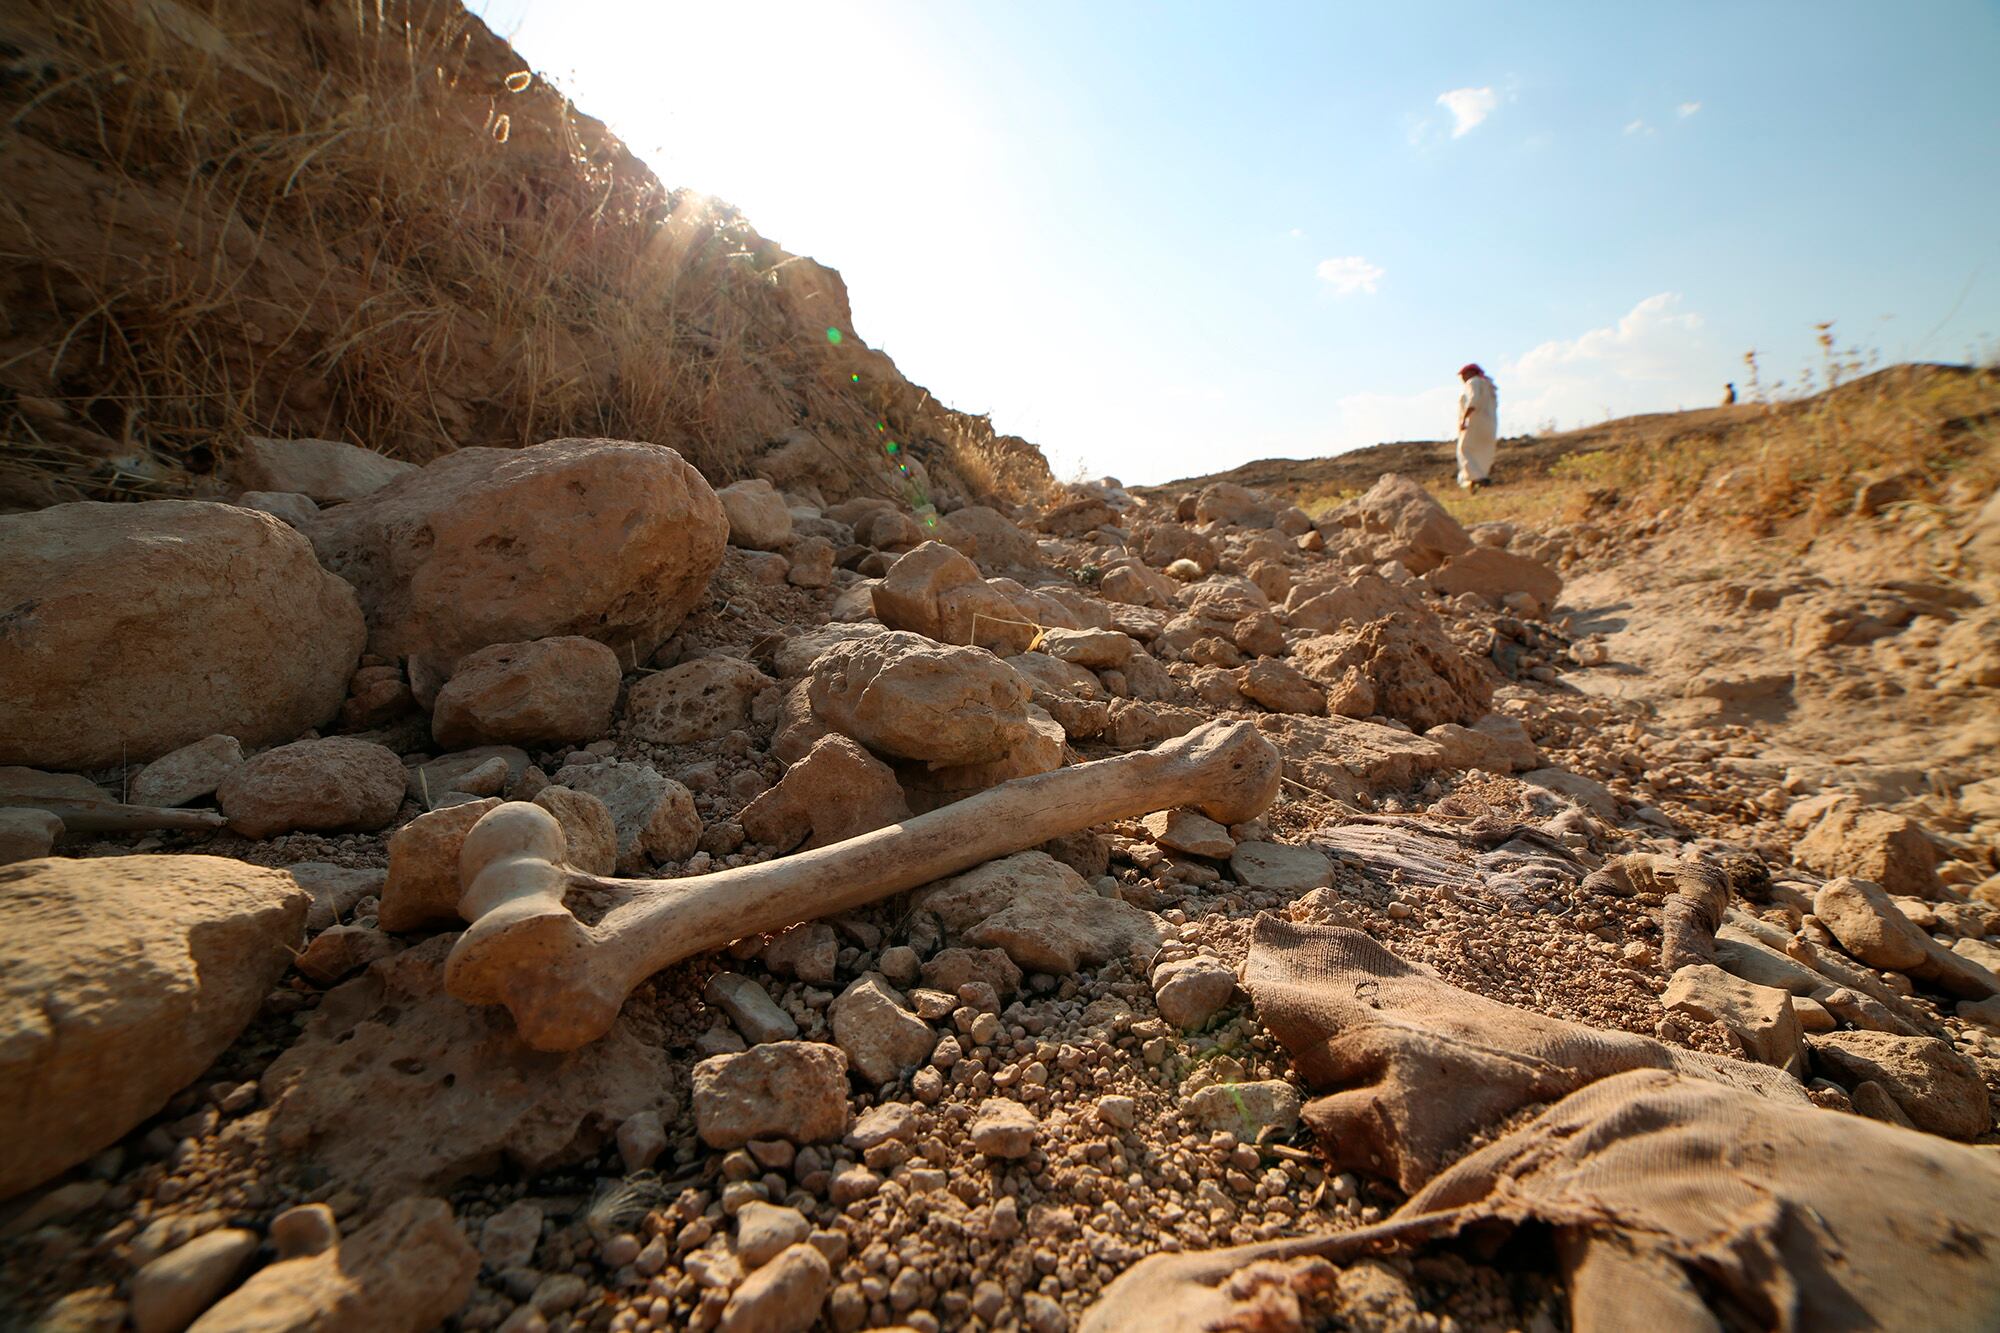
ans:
(1163, 239)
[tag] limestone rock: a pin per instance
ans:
(403, 1272)
(1276, 867)
(1493, 574)
(171, 1290)
(1245, 1109)
(1869, 926)
(763, 1230)
(883, 1040)
(1004, 1128)
(1936, 1087)
(1587, 792)
(783, 1296)
(589, 832)
(1098, 649)
(809, 952)
(1041, 913)
(1191, 991)
(126, 977)
(395, 1086)
(1161, 544)
(429, 781)
(838, 791)
(422, 885)
(1040, 749)
(695, 701)
(655, 816)
(287, 507)
(335, 889)
(1874, 845)
(1759, 1017)
(794, 1090)
(137, 628)
(1226, 502)
(1328, 604)
(1496, 743)
(990, 540)
(951, 968)
(326, 471)
(332, 784)
(1418, 675)
(1344, 757)
(27, 834)
(1420, 532)
(548, 693)
(189, 773)
(901, 694)
(1281, 687)
(809, 562)
(339, 950)
(1189, 831)
(758, 518)
(611, 539)
(751, 1008)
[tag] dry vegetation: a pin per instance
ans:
(421, 246)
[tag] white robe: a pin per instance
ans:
(1479, 406)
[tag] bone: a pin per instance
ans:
(565, 981)
(86, 816)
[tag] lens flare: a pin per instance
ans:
(833, 336)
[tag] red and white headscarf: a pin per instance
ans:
(1469, 369)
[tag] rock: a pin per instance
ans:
(1939, 1089)
(809, 562)
(750, 1007)
(189, 773)
(838, 791)
(135, 629)
(287, 507)
(1275, 867)
(1489, 572)
(1871, 927)
(1189, 831)
(333, 784)
(783, 1296)
(589, 832)
(762, 1230)
(808, 952)
(1078, 517)
(1162, 544)
(1968, 652)
(335, 889)
(1421, 533)
(990, 540)
(1281, 687)
(126, 977)
(611, 539)
(1415, 673)
(395, 1086)
(883, 1040)
(339, 950)
(956, 967)
(1245, 1109)
(549, 693)
(1003, 1128)
(1098, 649)
(17, 782)
(1743, 955)
(1874, 845)
(1325, 605)
(695, 701)
(1759, 1017)
(27, 835)
(794, 1090)
(509, 1238)
(404, 1272)
(303, 1230)
(170, 1291)
(903, 695)
(654, 815)
(1041, 913)
(758, 518)
(1496, 743)
(1589, 793)
(1226, 502)
(1117, 1111)
(422, 886)
(1191, 991)
(1039, 750)
(453, 772)
(326, 471)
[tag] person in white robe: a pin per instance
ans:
(1478, 427)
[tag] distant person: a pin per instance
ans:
(1729, 395)
(1478, 427)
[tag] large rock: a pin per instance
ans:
(794, 1090)
(1871, 927)
(838, 791)
(1323, 604)
(1493, 574)
(1418, 675)
(882, 1038)
(611, 539)
(901, 694)
(1281, 687)
(1345, 758)
(989, 539)
(1418, 530)
(758, 518)
(1040, 750)
(1876, 845)
(695, 701)
(326, 471)
(1936, 1087)
(1277, 867)
(654, 815)
(191, 772)
(125, 978)
(1226, 502)
(421, 888)
(332, 784)
(1041, 913)
(1760, 1018)
(550, 692)
(1496, 743)
(406, 1271)
(133, 629)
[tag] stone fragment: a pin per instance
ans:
(1098, 649)
(1226, 502)
(695, 701)
(1760, 1018)
(655, 816)
(429, 781)
(1189, 831)
(335, 889)
(883, 1040)
(1118, 1111)
(170, 1291)
(758, 518)
(589, 832)
(794, 1090)
(1276, 867)
(1281, 687)
(762, 1230)
(339, 950)
(750, 1007)
(189, 773)
(325, 471)
(901, 694)
(1936, 1087)
(1041, 913)
(1191, 991)
(1496, 743)
(990, 540)
(27, 834)
(126, 977)
(809, 952)
(421, 889)
(135, 629)
(1039, 749)
(880, 1124)
(332, 784)
(1493, 574)
(1878, 846)
(955, 967)
(1332, 602)
(1417, 674)
(287, 507)
(838, 791)
(1003, 1128)
(486, 546)
(403, 1272)
(1245, 1109)
(783, 1296)
(551, 692)
(509, 1237)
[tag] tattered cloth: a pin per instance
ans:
(1684, 1191)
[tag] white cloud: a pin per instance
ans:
(1638, 127)
(1468, 107)
(1686, 109)
(1298, 232)
(1350, 274)
(1652, 359)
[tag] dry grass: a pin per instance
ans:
(369, 221)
